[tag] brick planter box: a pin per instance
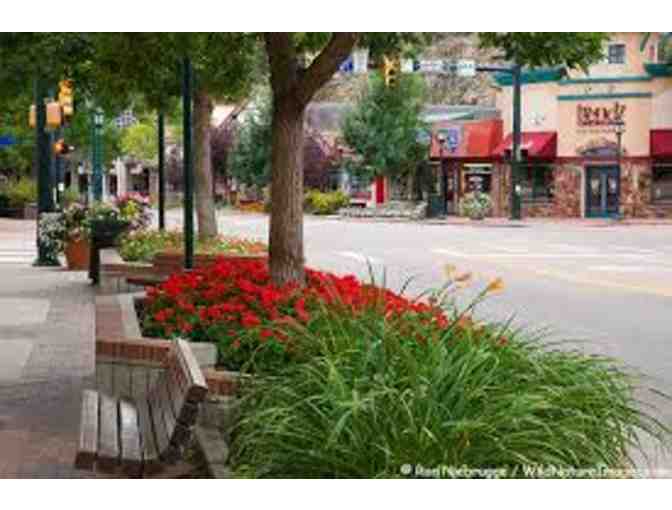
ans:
(168, 262)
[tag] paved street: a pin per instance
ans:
(608, 289)
(46, 358)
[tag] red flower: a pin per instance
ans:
(250, 320)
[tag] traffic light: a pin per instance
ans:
(390, 72)
(61, 148)
(65, 90)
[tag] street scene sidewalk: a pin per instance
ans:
(46, 358)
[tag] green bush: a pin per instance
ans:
(142, 245)
(21, 192)
(476, 205)
(368, 399)
(318, 202)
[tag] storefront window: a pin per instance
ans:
(662, 182)
(478, 178)
(537, 182)
(616, 54)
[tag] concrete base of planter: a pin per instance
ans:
(114, 273)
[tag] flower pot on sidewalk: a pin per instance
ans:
(77, 254)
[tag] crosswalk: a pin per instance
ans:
(18, 257)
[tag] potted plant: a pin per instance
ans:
(476, 205)
(76, 237)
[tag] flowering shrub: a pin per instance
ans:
(235, 305)
(476, 205)
(136, 209)
(51, 233)
(74, 222)
(142, 245)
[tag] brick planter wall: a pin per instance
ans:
(168, 262)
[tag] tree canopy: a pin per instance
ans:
(383, 128)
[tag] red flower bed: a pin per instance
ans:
(235, 305)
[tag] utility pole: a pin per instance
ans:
(188, 166)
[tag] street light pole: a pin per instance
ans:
(515, 71)
(515, 159)
(45, 202)
(162, 173)
(188, 166)
(97, 159)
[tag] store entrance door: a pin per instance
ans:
(603, 189)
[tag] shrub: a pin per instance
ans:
(136, 209)
(51, 233)
(476, 205)
(70, 196)
(21, 192)
(74, 222)
(142, 245)
(370, 399)
(318, 202)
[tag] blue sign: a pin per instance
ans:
(347, 66)
(452, 139)
(7, 140)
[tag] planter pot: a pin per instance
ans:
(77, 254)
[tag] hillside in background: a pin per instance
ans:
(441, 89)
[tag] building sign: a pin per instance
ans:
(588, 116)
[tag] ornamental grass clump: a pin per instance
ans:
(369, 401)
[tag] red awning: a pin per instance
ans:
(661, 143)
(543, 145)
(474, 139)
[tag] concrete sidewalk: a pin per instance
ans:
(46, 358)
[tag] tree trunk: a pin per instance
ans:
(293, 88)
(286, 235)
(203, 178)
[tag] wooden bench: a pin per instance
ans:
(141, 437)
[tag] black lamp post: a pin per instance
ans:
(97, 156)
(188, 166)
(515, 72)
(45, 203)
(441, 138)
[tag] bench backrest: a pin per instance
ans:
(174, 399)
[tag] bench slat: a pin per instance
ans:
(88, 431)
(108, 443)
(197, 386)
(164, 420)
(150, 452)
(129, 434)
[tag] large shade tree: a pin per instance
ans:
(225, 67)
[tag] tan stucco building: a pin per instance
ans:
(570, 124)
